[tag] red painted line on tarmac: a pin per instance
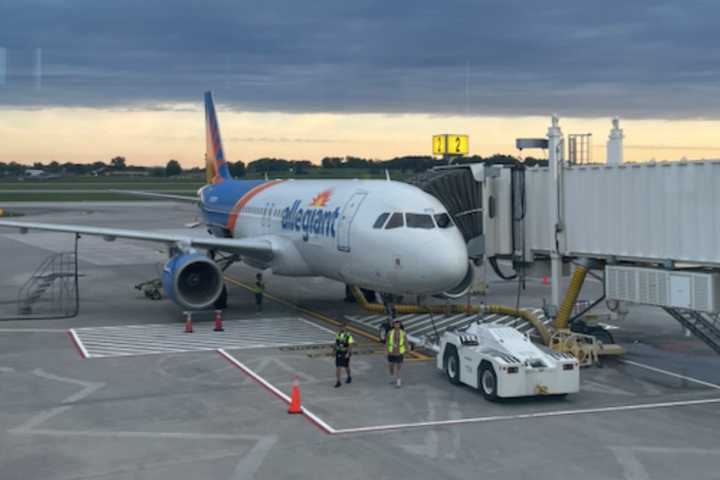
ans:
(311, 417)
(74, 341)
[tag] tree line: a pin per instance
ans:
(116, 165)
(119, 164)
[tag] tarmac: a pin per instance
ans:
(146, 401)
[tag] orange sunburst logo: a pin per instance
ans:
(320, 199)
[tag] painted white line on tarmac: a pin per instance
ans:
(254, 375)
(32, 330)
(311, 416)
(633, 469)
(89, 387)
(40, 418)
(318, 326)
(124, 434)
(168, 338)
(520, 416)
(672, 374)
(78, 343)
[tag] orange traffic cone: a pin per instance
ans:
(546, 280)
(295, 398)
(218, 321)
(188, 322)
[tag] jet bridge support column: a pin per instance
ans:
(555, 157)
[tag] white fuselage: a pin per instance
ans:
(328, 228)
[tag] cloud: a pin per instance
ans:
(652, 58)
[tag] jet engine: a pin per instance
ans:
(461, 288)
(192, 281)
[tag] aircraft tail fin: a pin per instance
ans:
(217, 168)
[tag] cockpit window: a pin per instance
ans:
(381, 220)
(396, 221)
(443, 220)
(417, 220)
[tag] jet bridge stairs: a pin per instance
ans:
(703, 325)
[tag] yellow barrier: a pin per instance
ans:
(571, 294)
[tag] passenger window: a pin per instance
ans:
(381, 220)
(443, 220)
(416, 220)
(396, 221)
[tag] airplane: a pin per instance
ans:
(38, 174)
(380, 235)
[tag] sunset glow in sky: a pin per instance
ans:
(153, 137)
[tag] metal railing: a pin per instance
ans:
(705, 326)
(52, 289)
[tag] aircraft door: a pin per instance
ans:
(266, 218)
(346, 218)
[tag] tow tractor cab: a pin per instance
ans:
(502, 362)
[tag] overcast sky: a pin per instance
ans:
(642, 59)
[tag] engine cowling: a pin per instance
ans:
(192, 280)
(462, 288)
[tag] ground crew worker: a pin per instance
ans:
(396, 351)
(259, 290)
(343, 351)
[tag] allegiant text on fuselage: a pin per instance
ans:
(310, 220)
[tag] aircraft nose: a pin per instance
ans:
(446, 263)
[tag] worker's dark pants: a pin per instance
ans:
(258, 301)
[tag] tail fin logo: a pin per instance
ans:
(217, 169)
(321, 199)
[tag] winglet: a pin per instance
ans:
(216, 167)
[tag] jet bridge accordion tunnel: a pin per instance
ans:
(486, 201)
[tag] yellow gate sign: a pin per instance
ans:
(450, 144)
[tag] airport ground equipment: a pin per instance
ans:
(52, 289)
(424, 329)
(425, 324)
(571, 294)
(152, 289)
(540, 328)
(585, 348)
(501, 362)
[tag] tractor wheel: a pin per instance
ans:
(487, 382)
(452, 364)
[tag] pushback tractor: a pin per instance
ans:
(502, 362)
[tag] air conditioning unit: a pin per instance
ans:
(664, 288)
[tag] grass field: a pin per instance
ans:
(89, 188)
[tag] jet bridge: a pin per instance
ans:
(656, 217)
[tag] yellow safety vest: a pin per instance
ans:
(343, 340)
(391, 341)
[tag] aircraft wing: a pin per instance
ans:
(164, 196)
(258, 249)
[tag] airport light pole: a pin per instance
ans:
(555, 158)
